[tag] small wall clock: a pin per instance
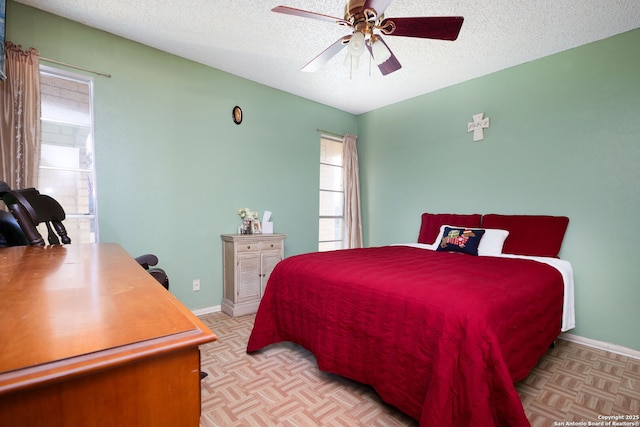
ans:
(237, 115)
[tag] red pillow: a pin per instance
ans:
(431, 223)
(534, 235)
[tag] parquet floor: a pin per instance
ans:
(281, 386)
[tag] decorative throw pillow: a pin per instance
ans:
(490, 244)
(460, 239)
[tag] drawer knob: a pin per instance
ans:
(248, 247)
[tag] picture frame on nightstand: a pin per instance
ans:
(256, 227)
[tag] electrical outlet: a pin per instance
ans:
(196, 285)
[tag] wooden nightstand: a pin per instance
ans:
(247, 262)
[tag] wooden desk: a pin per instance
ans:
(88, 338)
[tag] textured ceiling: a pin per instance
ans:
(245, 38)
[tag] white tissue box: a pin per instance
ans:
(267, 227)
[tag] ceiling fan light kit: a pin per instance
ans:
(379, 50)
(365, 16)
(356, 44)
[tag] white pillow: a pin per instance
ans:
(491, 242)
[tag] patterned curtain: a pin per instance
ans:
(20, 118)
(352, 216)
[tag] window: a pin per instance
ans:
(331, 233)
(66, 154)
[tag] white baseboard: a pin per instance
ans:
(601, 345)
(207, 310)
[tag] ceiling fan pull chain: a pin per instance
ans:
(350, 67)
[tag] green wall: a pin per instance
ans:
(564, 140)
(172, 166)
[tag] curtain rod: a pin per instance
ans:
(75, 66)
(330, 133)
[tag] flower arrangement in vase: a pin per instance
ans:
(248, 216)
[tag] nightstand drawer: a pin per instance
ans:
(248, 247)
(272, 245)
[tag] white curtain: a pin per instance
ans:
(352, 215)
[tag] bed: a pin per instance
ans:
(442, 328)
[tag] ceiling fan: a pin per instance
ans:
(365, 16)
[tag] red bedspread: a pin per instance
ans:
(441, 336)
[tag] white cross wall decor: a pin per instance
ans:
(477, 126)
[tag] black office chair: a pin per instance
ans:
(29, 208)
(10, 232)
(149, 260)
